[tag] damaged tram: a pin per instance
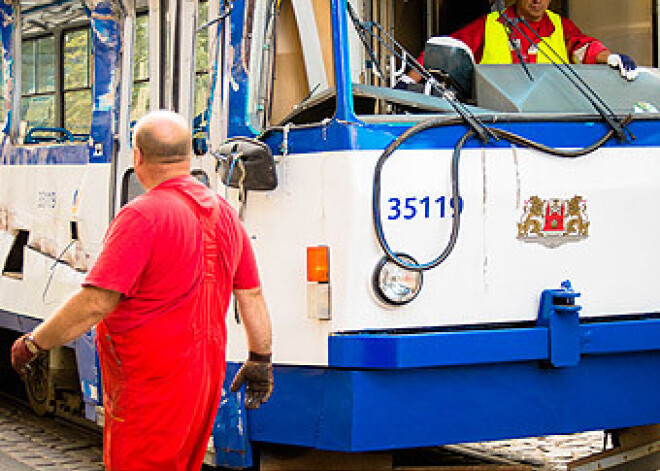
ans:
(475, 260)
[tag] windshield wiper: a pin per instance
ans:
(589, 94)
(364, 29)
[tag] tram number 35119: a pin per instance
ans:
(426, 207)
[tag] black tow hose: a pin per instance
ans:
(455, 193)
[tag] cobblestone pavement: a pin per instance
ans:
(553, 452)
(44, 444)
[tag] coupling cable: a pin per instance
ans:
(455, 190)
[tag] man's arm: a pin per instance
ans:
(254, 314)
(79, 314)
(257, 372)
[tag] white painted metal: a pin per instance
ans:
(155, 34)
(186, 67)
(124, 158)
(491, 277)
(40, 198)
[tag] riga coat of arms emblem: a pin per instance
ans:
(554, 221)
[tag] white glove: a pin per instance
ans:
(625, 64)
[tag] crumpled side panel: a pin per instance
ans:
(106, 24)
(6, 31)
(230, 435)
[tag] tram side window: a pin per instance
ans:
(140, 99)
(77, 83)
(38, 82)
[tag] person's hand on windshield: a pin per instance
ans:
(625, 64)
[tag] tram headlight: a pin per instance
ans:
(394, 284)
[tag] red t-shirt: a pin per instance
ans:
(152, 252)
(581, 48)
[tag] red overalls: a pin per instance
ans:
(162, 380)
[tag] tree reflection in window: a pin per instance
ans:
(141, 92)
(77, 81)
(38, 82)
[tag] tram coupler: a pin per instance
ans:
(560, 315)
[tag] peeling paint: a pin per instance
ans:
(516, 165)
(484, 202)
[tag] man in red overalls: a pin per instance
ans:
(158, 294)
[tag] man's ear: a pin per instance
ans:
(138, 156)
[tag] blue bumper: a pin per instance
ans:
(387, 391)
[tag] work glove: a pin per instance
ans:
(24, 351)
(625, 64)
(257, 375)
(403, 83)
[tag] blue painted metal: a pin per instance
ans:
(18, 323)
(340, 136)
(361, 410)
(238, 124)
(470, 347)
(89, 373)
(44, 154)
(559, 314)
(106, 48)
(230, 430)
(342, 62)
(6, 34)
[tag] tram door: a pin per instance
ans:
(170, 64)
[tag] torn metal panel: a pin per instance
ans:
(6, 33)
(106, 23)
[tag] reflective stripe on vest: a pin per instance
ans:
(496, 42)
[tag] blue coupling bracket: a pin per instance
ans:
(559, 314)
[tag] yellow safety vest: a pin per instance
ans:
(498, 51)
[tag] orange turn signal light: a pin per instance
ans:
(318, 264)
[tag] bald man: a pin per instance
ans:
(158, 294)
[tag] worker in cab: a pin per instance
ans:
(528, 32)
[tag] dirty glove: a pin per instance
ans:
(257, 374)
(625, 64)
(403, 83)
(23, 352)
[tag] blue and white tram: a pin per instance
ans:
(435, 274)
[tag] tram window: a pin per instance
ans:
(77, 81)
(141, 92)
(296, 85)
(38, 85)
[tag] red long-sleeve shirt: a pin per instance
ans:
(581, 48)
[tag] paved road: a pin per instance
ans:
(7, 463)
(42, 444)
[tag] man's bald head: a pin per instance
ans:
(163, 137)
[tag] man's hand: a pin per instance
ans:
(23, 352)
(257, 374)
(625, 64)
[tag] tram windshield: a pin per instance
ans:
(387, 37)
